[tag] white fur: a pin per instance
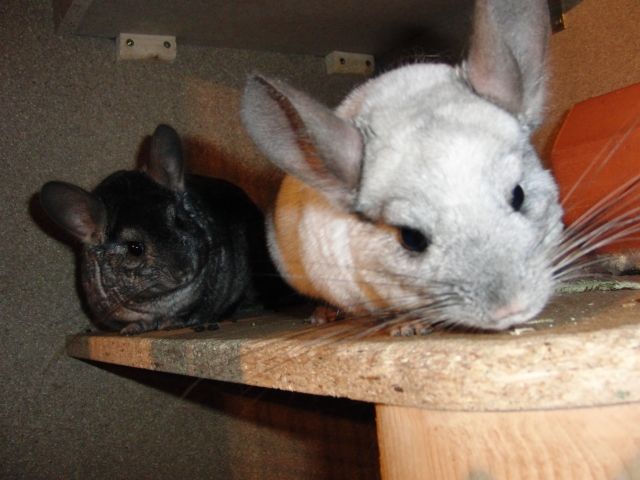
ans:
(420, 147)
(449, 174)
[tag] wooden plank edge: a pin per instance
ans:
(569, 370)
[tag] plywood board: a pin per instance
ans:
(583, 351)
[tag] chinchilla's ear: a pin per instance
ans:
(79, 212)
(303, 137)
(507, 55)
(166, 164)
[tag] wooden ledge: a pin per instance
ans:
(585, 351)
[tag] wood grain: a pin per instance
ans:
(585, 444)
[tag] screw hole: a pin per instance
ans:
(368, 63)
(167, 44)
(342, 61)
(130, 42)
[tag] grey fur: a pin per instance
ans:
(161, 249)
(443, 150)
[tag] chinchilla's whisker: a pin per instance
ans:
(451, 324)
(406, 317)
(580, 276)
(604, 208)
(577, 266)
(348, 332)
(434, 307)
(585, 261)
(595, 245)
(607, 222)
(612, 227)
(612, 197)
(609, 154)
(320, 339)
(265, 344)
(353, 327)
(117, 301)
(574, 274)
(619, 235)
(431, 319)
(408, 303)
(621, 211)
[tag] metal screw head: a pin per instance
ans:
(167, 44)
(129, 42)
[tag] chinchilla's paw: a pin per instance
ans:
(136, 328)
(411, 329)
(325, 314)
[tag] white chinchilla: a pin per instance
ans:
(421, 193)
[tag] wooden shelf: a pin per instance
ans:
(317, 28)
(561, 396)
(312, 27)
(584, 352)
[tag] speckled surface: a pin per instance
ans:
(582, 351)
(69, 112)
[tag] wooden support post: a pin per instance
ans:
(586, 443)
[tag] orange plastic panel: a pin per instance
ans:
(597, 154)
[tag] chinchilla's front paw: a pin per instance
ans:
(325, 314)
(136, 328)
(411, 329)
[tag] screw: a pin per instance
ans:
(167, 44)
(129, 42)
(342, 61)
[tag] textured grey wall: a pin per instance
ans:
(68, 111)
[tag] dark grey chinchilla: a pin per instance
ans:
(161, 249)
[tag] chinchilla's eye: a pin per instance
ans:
(517, 198)
(135, 248)
(413, 240)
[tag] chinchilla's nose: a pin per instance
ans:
(504, 312)
(512, 312)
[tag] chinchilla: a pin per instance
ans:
(421, 195)
(161, 249)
